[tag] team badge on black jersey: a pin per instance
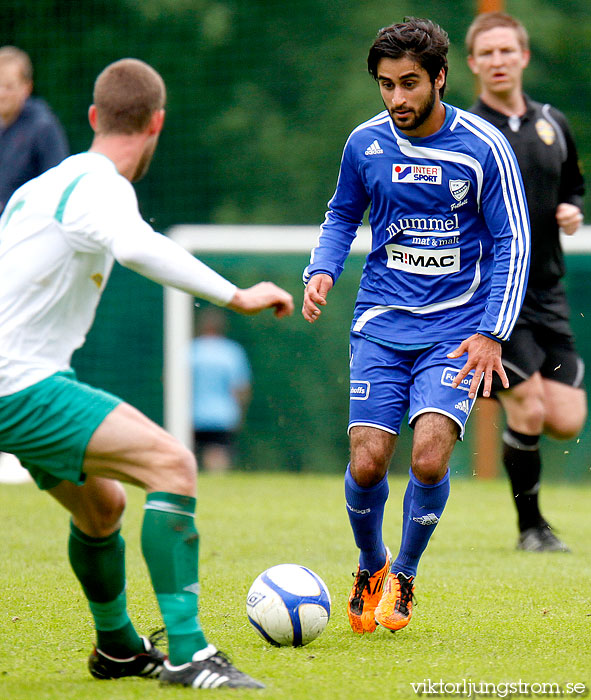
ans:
(546, 131)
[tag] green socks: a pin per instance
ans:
(170, 544)
(99, 565)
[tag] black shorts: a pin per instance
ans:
(542, 341)
(204, 438)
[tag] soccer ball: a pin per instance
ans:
(288, 605)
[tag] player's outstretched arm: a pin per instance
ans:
(264, 295)
(484, 357)
(160, 259)
(316, 290)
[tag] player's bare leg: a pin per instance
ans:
(130, 447)
(371, 452)
(434, 439)
(565, 410)
(96, 507)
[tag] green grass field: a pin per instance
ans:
(485, 612)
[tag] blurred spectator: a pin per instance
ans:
(31, 138)
(31, 141)
(221, 391)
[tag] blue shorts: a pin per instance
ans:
(387, 382)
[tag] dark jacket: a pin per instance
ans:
(32, 144)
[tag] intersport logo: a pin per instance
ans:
(416, 174)
(423, 261)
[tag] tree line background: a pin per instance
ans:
(261, 97)
(262, 93)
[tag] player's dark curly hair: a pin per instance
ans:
(419, 39)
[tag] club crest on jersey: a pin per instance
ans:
(97, 278)
(416, 174)
(459, 189)
(359, 390)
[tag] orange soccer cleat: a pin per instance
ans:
(365, 595)
(395, 608)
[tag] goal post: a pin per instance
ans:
(178, 306)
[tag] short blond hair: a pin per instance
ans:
(126, 95)
(491, 20)
(11, 54)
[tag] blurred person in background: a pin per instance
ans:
(544, 368)
(31, 141)
(221, 378)
(31, 138)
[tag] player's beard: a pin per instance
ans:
(145, 160)
(421, 113)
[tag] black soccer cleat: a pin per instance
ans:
(147, 664)
(214, 671)
(540, 539)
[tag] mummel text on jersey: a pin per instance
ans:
(450, 230)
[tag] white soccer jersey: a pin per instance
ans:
(59, 236)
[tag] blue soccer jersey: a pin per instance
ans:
(450, 230)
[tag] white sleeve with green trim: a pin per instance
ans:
(164, 261)
(114, 223)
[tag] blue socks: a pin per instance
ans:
(422, 507)
(365, 507)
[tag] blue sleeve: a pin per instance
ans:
(343, 218)
(504, 208)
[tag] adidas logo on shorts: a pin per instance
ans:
(463, 406)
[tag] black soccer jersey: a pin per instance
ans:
(547, 156)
